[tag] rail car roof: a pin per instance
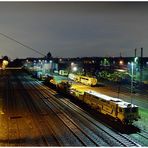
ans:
(105, 97)
(118, 101)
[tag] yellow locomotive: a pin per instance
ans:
(83, 79)
(116, 108)
(119, 110)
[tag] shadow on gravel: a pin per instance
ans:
(99, 85)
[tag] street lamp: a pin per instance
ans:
(4, 64)
(72, 64)
(136, 59)
(75, 69)
(132, 71)
(121, 62)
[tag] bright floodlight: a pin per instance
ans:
(74, 68)
(132, 64)
(72, 63)
(121, 62)
(4, 64)
(135, 59)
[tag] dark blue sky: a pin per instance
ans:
(74, 29)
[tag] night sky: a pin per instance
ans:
(74, 29)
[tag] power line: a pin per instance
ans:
(26, 46)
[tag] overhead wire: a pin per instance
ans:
(26, 46)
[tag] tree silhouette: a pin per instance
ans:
(49, 56)
(5, 58)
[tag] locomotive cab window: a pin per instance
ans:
(134, 109)
(127, 110)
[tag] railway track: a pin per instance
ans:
(142, 137)
(118, 137)
(10, 129)
(119, 140)
(13, 119)
(21, 124)
(74, 128)
(58, 134)
(40, 124)
(124, 140)
(53, 119)
(3, 125)
(143, 134)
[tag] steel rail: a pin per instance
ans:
(126, 141)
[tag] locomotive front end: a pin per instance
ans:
(131, 113)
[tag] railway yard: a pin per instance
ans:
(33, 114)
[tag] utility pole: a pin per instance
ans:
(141, 65)
(120, 55)
(135, 61)
(135, 52)
(132, 75)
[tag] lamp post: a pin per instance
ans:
(132, 71)
(73, 67)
